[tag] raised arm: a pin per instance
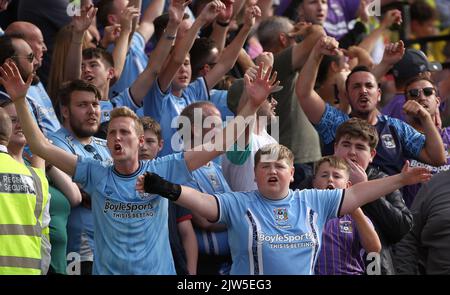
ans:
(368, 191)
(17, 89)
(119, 53)
(391, 17)
(80, 25)
(183, 46)
(230, 53)
(154, 9)
(221, 25)
(311, 103)
(257, 91)
(145, 80)
(301, 51)
(433, 152)
(393, 53)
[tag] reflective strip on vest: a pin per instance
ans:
(39, 196)
(24, 262)
(25, 230)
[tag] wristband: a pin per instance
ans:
(222, 24)
(171, 38)
(155, 184)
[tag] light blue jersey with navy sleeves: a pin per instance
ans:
(131, 228)
(277, 236)
(166, 107)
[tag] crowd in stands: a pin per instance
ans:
(224, 137)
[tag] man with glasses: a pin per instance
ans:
(414, 63)
(40, 103)
(422, 92)
(80, 111)
(398, 140)
(17, 50)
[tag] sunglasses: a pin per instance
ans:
(29, 57)
(92, 150)
(415, 93)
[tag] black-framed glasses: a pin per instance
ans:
(29, 57)
(270, 97)
(415, 93)
(93, 151)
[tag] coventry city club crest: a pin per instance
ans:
(388, 141)
(281, 215)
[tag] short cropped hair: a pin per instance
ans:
(358, 128)
(65, 92)
(102, 54)
(274, 152)
(356, 70)
(126, 112)
(151, 124)
(270, 28)
(334, 162)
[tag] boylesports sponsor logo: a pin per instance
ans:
(287, 240)
(128, 210)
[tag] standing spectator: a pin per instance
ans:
(49, 16)
(80, 112)
(413, 64)
(24, 196)
(214, 251)
(345, 239)
(275, 230)
(296, 132)
(356, 141)
(398, 140)
(183, 242)
(423, 90)
(425, 249)
(38, 99)
(141, 230)
(238, 164)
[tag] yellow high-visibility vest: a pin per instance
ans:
(21, 207)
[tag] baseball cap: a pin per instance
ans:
(235, 91)
(413, 63)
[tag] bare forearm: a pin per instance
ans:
(120, 52)
(380, 70)
(72, 67)
(64, 183)
(368, 236)
(190, 245)
(368, 191)
(203, 204)
(244, 60)
(145, 80)
(434, 147)
(219, 35)
(137, 4)
(302, 50)
(176, 59)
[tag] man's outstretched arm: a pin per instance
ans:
(198, 202)
(17, 89)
